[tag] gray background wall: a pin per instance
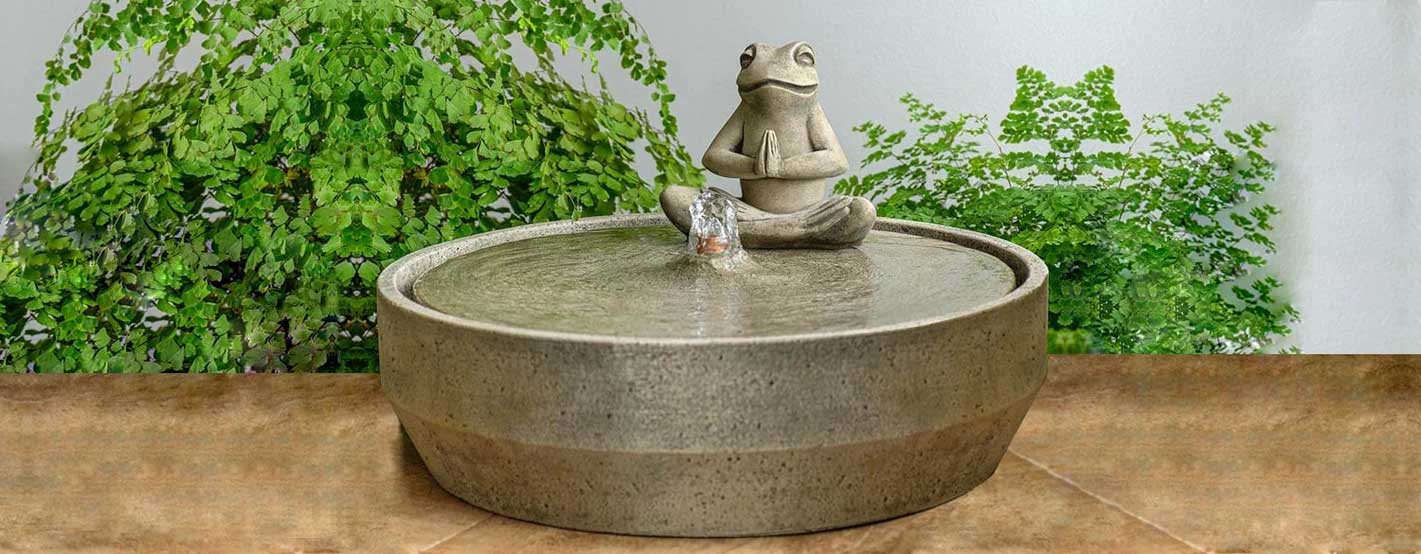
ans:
(1341, 80)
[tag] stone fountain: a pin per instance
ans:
(776, 363)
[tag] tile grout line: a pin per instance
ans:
(1043, 467)
(1106, 501)
(451, 536)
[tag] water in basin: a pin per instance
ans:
(639, 282)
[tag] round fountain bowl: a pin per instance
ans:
(588, 375)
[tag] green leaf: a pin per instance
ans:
(1129, 220)
(234, 212)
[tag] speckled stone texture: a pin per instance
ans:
(716, 436)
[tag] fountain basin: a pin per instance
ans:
(853, 407)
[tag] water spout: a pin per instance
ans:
(713, 237)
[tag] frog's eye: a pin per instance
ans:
(805, 56)
(747, 56)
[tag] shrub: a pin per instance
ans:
(234, 216)
(1153, 240)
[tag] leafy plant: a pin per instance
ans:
(1153, 239)
(234, 216)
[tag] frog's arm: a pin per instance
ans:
(723, 157)
(826, 160)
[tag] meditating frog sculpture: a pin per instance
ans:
(779, 144)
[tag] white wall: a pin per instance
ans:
(30, 34)
(1341, 80)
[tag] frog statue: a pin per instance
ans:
(779, 144)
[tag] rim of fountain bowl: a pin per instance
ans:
(388, 290)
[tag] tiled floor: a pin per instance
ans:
(1119, 454)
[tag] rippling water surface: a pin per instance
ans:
(638, 282)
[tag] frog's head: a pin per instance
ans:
(770, 74)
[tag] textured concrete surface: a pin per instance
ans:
(716, 436)
(1118, 454)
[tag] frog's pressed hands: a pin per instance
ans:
(779, 144)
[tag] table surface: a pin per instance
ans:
(1118, 454)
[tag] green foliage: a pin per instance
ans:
(234, 216)
(1153, 248)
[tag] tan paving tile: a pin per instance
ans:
(1234, 454)
(1021, 509)
(182, 463)
(1243, 454)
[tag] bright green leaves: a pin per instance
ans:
(1065, 118)
(236, 216)
(1154, 242)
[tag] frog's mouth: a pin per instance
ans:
(797, 89)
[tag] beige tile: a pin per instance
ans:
(1233, 454)
(1243, 454)
(177, 463)
(1021, 509)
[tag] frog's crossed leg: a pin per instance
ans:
(836, 222)
(779, 144)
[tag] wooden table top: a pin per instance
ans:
(1118, 454)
